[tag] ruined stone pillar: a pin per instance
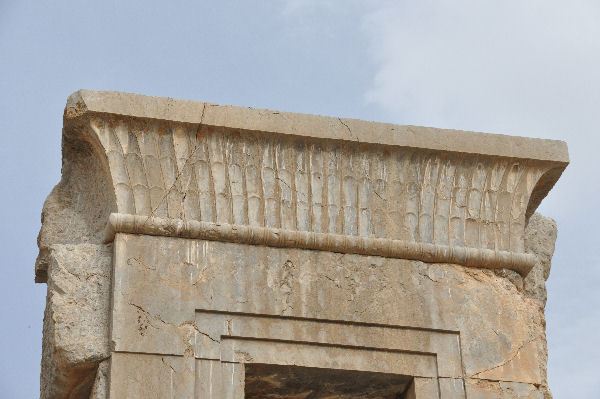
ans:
(193, 250)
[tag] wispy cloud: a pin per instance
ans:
(512, 66)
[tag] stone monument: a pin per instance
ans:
(194, 250)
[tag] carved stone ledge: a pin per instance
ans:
(254, 235)
(315, 182)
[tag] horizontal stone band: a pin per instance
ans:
(254, 235)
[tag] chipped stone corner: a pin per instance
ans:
(540, 239)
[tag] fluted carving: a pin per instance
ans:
(298, 184)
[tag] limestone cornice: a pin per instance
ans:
(199, 170)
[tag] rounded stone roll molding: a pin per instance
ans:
(279, 238)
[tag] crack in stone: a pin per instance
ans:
(139, 261)
(180, 172)
(167, 364)
(284, 183)
(153, 316)
(349, 131)
(195, 327)
(334, 281)
(510, 359)
(379, 195)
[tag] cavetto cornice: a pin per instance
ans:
(204, 171)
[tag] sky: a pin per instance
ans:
(529, 68)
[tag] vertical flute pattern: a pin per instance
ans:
(185, 150)
(350, 167)
(364, 200)
(116, 163)
(413, 190)
(269, 178)
(317, 220)
(508, 195)
(474, 200)
(234, 157)
(332, 171)
(427, 197)
(201, 166)
(378, 195)
(254, 184)
(302, 185)
(443, 197)
(458, 204)
(319, 186)
(148, 144)
(396, 194)
(284, 162)
(168, 165)
(219, 169)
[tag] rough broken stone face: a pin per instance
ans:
(76, 318)
(540, 237)
(200, 251)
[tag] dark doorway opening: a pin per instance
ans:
(269, 381)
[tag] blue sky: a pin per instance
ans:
(524, 68)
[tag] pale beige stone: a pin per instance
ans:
(540, 237)
(151, 376)
(239, 118)
(501, 330)
(100, 389)
(424, 388)
(190, 242)
(76, 318)
(484, 389)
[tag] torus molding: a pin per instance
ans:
(290, 180)
(253, 235)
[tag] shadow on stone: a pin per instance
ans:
(279, 382)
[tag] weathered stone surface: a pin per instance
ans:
(196, 250)
(482, 389)
(540, 237)
(100, 389)
(442, 194)
(151, 376)
(76, 318)
(141, 107)
(78, 207)
(504, 341)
